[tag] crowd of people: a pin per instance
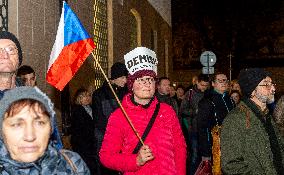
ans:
(139, 123)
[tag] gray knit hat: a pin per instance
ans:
(25, 92)
(12, 37)
(250, 78)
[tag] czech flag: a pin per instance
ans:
(71, 48)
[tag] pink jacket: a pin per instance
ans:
(165, 140)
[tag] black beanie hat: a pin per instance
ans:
(118, 70)
(12, 37)
(250, 78)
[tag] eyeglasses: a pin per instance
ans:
(268, 85)
(204, 85)
(143, 81)
(221, 81)
(11, 50)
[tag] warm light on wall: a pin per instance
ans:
(101, 40)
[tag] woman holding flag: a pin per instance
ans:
(164, 151)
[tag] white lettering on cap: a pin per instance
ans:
(141, 58)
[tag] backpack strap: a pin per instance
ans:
(69, 161)
(147, 130)
(190, 95)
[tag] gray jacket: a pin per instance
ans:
(189, 106)
(245, 144)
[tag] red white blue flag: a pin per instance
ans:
(71, 48)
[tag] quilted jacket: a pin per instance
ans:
(165, 139)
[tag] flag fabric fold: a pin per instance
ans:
(71, 48)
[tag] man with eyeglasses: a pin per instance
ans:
(10, 60)
(164, 149)
(250, 142)
(212, 109)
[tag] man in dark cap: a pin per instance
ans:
(250, 142)
(104, 103)
(10, 60)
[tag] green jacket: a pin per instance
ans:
(245, 145)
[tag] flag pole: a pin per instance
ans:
(117, 99)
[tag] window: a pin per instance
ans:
(101, 40)
(4, 15)
(135, 26)
(154, 40)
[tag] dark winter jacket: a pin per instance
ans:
(189, 106)
(212, 108)
(51, 163)
(169, 100)
(103, 104)
(245, 143)
(165, 140)
(82, 131)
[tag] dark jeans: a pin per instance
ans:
(90, 160)
(191, 138)
(194, 158)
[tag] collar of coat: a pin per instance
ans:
(137, 104)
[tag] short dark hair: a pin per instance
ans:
(24, 70)
(215, 75)
(180, 86)
(203, 77)
(162, 78)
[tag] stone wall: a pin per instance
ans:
(164, 9)
(151, 20)
(35, 24)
